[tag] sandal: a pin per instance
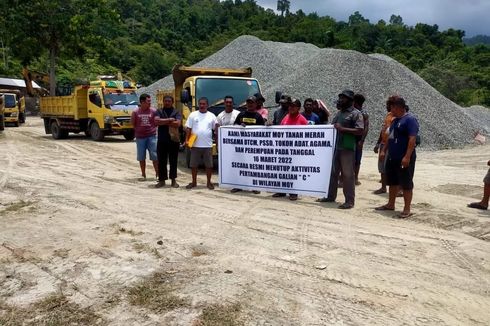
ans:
(404, 215)
(379, 191)
(384, 208)
(346, 206)
(477, 206)
(210, 186)
(190, 186)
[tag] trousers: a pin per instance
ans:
(168, 152)
(343, 162)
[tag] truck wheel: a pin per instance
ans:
(57, 132)
(96, 133)
(129, 135)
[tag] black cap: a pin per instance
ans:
(285, 99)
(347, 93)
(259, 97)
(252, 99)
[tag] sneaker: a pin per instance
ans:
(325, 200)
(255, 192)
(293, 197)
(174, 184)
(235, 190)
(210, 186)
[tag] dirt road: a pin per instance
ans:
(76, 224)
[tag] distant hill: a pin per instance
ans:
(478, 39)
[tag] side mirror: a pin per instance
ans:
(278, 96)
(185, 97)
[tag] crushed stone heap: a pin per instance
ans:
(304, 70)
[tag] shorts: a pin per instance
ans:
(148, 143)
(397, 176)
(486, 180)
(382, 163)
(198, 153)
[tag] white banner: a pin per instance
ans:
(288, 159)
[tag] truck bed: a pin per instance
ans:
(71, 106)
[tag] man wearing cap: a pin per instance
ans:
(349, 124)
(260, 106)
(400, 163)
(293, 118)
(280, 113)
(250, 117)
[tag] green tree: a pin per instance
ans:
(283, 6)
(52, 26)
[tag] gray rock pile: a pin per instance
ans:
(304, 70)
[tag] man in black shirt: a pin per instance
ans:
(250, 117)
(280, 113)
(168, 121)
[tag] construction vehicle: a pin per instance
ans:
(101, 108)
(15, 106)
(2, 110)
(40, 78)
(192, 83)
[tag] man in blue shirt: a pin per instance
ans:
(308, 113)
(400, 163)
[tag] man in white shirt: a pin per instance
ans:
(228, 116)
(201, 124)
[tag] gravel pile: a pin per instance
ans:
(304, 70)
(480, 116)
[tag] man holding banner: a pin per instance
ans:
(293, 118)
(349, 124)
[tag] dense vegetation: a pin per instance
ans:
(145, 38)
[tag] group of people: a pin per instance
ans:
(396, 144)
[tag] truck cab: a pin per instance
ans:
(110, 105)
(14, 104)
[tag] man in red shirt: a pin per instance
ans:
(143, 120)
(293, 118)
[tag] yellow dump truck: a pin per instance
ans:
(192, 83)
(2, 110)
(15, 107)
(101, 108)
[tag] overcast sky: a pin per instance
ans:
(472, 16)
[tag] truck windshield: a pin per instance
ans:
(215, 89)
(121, 101)
(9, 101)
